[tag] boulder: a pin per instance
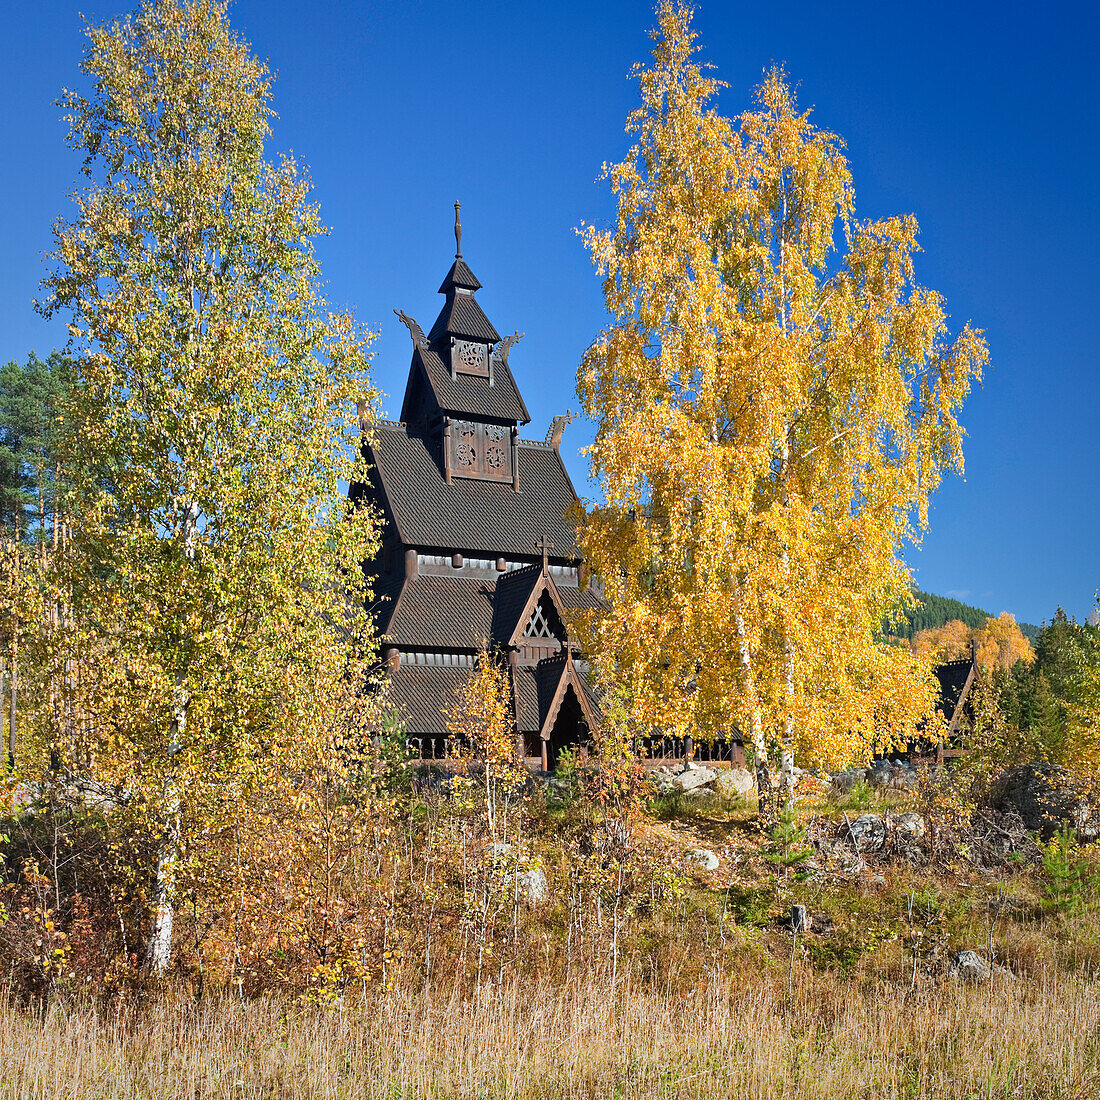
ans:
(1046, 798)
(897, 775)
(499, 851)
(734, 782)
(694, 776)
(704, 857)
(663, 775)
(868, 832)
(700, 793)
(846, 780)
(907, 826)
(969, 966)
(531, 887)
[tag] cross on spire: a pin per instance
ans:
(544, 544)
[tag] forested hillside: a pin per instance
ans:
(936, 611)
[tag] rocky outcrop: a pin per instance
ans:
(695, 780)
(868, 832)
(703, 857)
(532, 888)
(897, 775)
(734, 782)
(970, 967)
(1046, 798)
(694, 776)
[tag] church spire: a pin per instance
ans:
(461, 318)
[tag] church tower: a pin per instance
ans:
(476, 550)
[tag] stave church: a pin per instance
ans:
(476, 549)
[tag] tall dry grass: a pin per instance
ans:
(1034, 1039)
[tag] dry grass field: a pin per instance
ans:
(1039, 1038)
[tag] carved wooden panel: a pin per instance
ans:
(470, 357)
(481, 450)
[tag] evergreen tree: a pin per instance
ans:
(31, 477)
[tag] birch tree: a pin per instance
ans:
(775, 398)
(213, 566)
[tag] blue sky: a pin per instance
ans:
(979, 119)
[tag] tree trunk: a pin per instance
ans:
(3, 697)
(159, 952)
(765, 805)
(13, 688)
(786, 771)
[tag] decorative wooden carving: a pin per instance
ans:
(415, 331)
(505, 346)
(480, 450)
(470, 357)
(557, 426)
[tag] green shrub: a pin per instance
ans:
(1071, 880)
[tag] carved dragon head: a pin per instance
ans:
(557, 426)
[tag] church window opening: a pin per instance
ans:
(544, 621)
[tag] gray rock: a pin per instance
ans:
(663, 775)
(1046, 798)
(893, 774)
(694, 776)
(704, 857)
(700, 794)
(734, 782)
(968, 966)
(868, 832)
(531, 887)
(878, 774)
(908, 826)
(846, 780)
(499, 851)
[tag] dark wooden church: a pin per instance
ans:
(476, 550)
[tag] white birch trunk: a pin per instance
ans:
(756, 731)
(159, 952)
(786, 771)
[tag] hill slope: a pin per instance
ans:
(935, 611)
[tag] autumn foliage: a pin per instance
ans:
(775, 397)
(997, 644)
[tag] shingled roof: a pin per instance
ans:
(473, 516)
(536, 688)
(422, 693)
(462, 316)
(467, 395)
(459, 275)
(440, 613)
